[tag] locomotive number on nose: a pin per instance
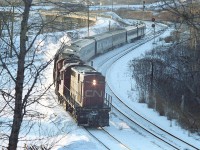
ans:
(93, 93)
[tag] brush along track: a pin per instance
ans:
(148, 126)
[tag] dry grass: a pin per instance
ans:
(146, 15)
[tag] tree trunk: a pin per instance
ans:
(18, 109)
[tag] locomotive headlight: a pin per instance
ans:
(94, 82)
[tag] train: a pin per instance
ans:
(79, 87)
(92, 46)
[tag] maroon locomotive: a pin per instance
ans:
(81, 90)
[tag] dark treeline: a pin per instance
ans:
(168, 81)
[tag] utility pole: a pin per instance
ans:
(143, 8)
(194, 9)
(12, 26)
(0, 28)
(154, 31)
(88, 17)
(112, 5)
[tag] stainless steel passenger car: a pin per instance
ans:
(109, 40)
(135, 32)
(85, 48)
(90, 46)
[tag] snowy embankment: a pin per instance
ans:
(58, 129)
(72, 137)
(53, 127)
(124, 86)
(121, 82)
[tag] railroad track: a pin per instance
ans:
(172, 140)
(129, 48)
(96, 138)
(149, 126)
(112, 142)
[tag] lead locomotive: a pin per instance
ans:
(81, 90)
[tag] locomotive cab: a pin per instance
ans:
(87, 86)
(82, 89)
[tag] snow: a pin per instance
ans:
(57, 128)
(126, 90)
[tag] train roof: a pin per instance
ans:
(84, 69)
(77, 45)
(68, 51)
(106, 34)
(65, 53)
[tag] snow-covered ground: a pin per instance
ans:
(119, 78)
(57, 128)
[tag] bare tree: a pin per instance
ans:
(22, 69)
(186, 13)
(175, 72)
(17, 100)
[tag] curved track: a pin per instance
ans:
(149, 126)
(141, 121)
(101, 134)
(149, 36)
(102, 143)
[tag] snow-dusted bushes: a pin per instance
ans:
(170, 79)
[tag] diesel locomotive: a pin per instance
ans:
(81, 90)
